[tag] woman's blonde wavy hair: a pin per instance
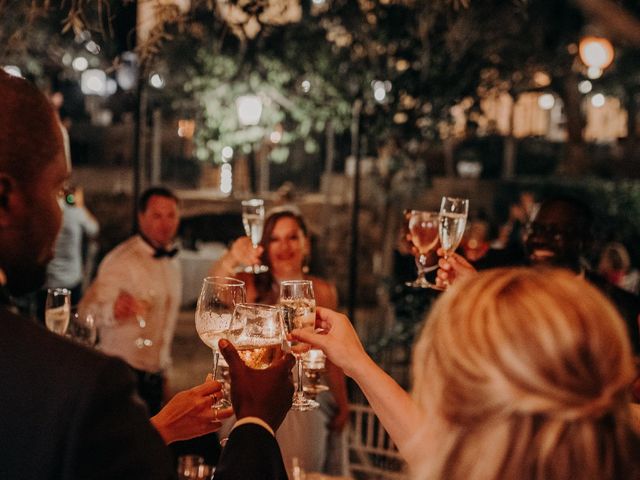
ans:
(529, 370)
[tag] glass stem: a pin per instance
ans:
(216, 358)
(421, 272)
(299, 389)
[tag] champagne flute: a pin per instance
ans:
(299, 307)
(57, 310)
(423, 228)
(453, 220)
(217, 300)
(253, 221)
(257, 332)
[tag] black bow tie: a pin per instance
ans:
(161, 253)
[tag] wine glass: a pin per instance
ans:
(423, 228)
(217, 300)
(299, 308)
(453, 220)
(57, 310)
(253, 221)
(143, 314)
(257, 332)
(82, 327)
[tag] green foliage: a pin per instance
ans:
(302, 115)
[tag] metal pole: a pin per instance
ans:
(140, 143)
(355, 209)
(156, 148)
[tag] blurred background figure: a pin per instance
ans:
(137, 293)
(475, 243)
(73, 252)
(615, 266)
(314, 437)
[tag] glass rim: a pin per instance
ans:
(58, 291)
(263, 306)
(226, 281)
(455, 198)
(296, 282)
(253, 202)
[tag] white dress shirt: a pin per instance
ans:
(131, 267)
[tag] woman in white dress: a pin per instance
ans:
(315, 438)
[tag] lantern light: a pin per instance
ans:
(546, 101)
(596, 52)
(249, 109)
(598, 100)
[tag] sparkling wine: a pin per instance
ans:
(451, 230)
(424, 233)
(253, 224)
(299, 313)
(57, 319)
(259, 356)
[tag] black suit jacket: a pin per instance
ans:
(67, 412)
(251, 453)
(627, 303)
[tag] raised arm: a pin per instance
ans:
(240, 253)
(452, 268)
(395, 408)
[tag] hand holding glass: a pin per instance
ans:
(453, 220)
(257, 332)
(298, 304)
(253, 221)
(216, 303)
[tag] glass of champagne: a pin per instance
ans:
(216, 303)
(299, 308)
(453, 220)
(257, 332)
(253, 221)
(57, 310)
(423, 229)
(143, 315)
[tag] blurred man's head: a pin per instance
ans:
(32, 173)
(158, 216)
(560, 233)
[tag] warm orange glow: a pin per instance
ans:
(596, 52)
(186, 128)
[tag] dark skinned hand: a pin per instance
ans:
(266, 394)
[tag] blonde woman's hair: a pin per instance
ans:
(529, 370)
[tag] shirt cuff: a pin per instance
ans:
(256, 421)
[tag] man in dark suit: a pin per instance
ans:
(67, 412)
(559, 236)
